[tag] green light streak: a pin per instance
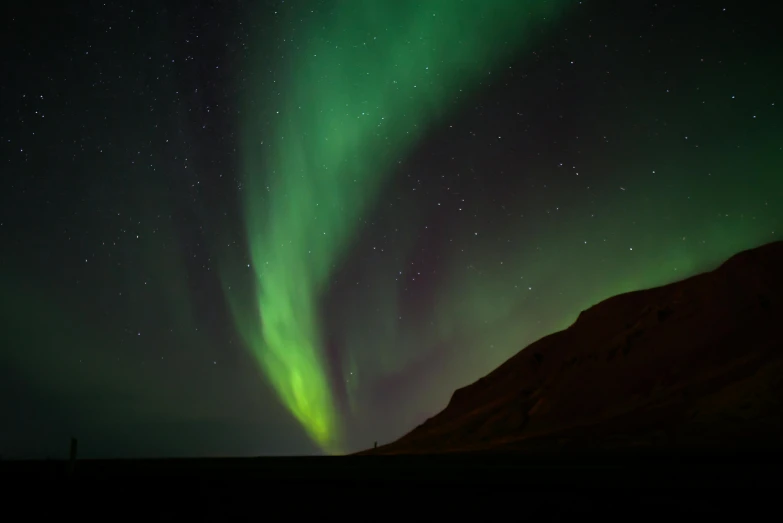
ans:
(360, 86)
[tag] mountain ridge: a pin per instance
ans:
(693, 364)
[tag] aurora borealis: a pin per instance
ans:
(359, 93)
(297, 227)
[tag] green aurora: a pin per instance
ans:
(366, 82)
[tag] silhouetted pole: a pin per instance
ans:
(376, 445)
(72, 460)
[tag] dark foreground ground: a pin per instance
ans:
(628, 471)
(650, 486)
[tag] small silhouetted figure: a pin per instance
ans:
(72, 461)
(376, 445)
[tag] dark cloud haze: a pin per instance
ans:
(244, 228)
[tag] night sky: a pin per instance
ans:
(254, 228)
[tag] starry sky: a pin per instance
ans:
(295, 227)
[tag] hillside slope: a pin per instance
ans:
(697, 364)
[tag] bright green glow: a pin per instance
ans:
(366, 81)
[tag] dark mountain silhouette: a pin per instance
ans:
(696, 365)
